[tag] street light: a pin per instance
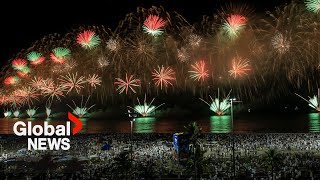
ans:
(232, 133)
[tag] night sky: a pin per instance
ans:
(24, 23)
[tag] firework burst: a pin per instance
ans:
(128, 83)
(60, 54)
(103, 62)
(35, 58)
(217, 106)
(313, 6)
(183, 55)
(11, 80)
(145, 109)
(24, 72)
(199, 71)
(113, 45)
(94, 80)
(71, 81)
(163, 76)
(28, 94)
(88, 39)
(240, 67)
(312, 102)
(194, 40)
(233, 25)
(19, 64)
(280, 43)
(52, 90)
(153, 25)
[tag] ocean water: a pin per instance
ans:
(244, 123)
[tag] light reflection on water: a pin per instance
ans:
(248, 123)
(314, 122)
(220, 124)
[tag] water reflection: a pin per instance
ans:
(220, 124)
(314, 123)
(144, 125)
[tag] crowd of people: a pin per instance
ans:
(154, 155)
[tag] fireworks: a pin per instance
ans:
(153, 24)
(217, 106)
(312, 102)
(81, 110)
(11, 80)
(280, 43)
(128, 83)
(19, 64)
(94, 80)
(88, 39)
(48, 112)
(7, 114)
(239, 67)
(24, 72)
(16, 113)
(52, 90)
(71, 81)
(163, 76)
(194, 40)
(28, 94)
(233, 25)
(199, 72)
(313, 6)
(183, 55)
(145, 109)
(103, 62)
(113, 45)
(60, 54)
(35, 58)
(31, 112)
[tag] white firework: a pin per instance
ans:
(194, 40)
(94, 80)
(72, 81)
(113, 45)
(103, 62)
(183, 55)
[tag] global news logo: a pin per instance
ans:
(46, 136)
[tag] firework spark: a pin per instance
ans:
(24, 72)
(240, 67)
(113, 45)
(94, 80)
(233, 25)
(280, 43)
(153, 24)
(128, 83)
(199, 72)
(183, 55)
(60, 54)
(313, 6)
(194, 40)
(71, 81)
(163, 76)
(88, 39)
(103, 62)
(35, 58)
(28, 94)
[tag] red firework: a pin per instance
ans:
(57, 59)
(22, 74)
(163, 76)
(199, 72)
(153, 24)
(11, 80)
(38, 61)
(19, 64)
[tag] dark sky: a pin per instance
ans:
(24, 23)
